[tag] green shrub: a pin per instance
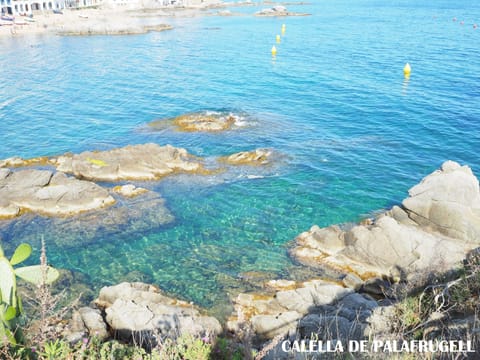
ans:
(10, 302)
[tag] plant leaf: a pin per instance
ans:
(33, 274)
(10, 313)
(2, 332)
(7, 282)
(10, 337)
(22, 252)
(19, 304)
(6, 334)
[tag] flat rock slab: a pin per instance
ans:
(132, 162)
(46, 193)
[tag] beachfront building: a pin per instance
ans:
(23, 7)
(188, 2)
(6, 7)
(83, 3)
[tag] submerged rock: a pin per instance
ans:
(109, 28)
(127, 218)
(43, 192)
(132, 162)
(255, 157)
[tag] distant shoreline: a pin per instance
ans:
(106, 20)
(95, 21)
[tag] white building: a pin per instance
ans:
(23, 7)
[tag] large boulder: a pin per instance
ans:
(437, 225)
(132, 162)
(93, 322)
(447, 201)
(140, 311)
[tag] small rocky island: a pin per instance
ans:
(278, 10)
(202, 121)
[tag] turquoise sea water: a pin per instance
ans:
(351, 134)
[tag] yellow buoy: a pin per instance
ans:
(274, 50)
(278, 39)
(283, 29)
(407, 69)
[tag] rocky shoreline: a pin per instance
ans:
(124, 20)
(433, 229)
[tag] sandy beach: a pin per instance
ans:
(98, 21)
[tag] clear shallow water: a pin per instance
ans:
(353, 134)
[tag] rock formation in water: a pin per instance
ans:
(203, 121)
(127, 218)
(255, 157)
(132, 162)
(278, 10)
(106, 28)
(56, 194)
(45, 192)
